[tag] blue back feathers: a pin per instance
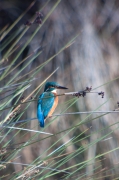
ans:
(45, 103)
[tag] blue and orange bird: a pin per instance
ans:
(47, 101)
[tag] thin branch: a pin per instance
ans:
(87, 112)
(64, 114)
(26, 130)
(76, 94)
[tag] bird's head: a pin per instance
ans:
(51, 86)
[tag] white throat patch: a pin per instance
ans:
(54, 91)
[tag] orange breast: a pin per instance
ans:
(54, 105)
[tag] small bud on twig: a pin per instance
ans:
(27, 23)
(38, 19)
(101, 93)
(83, 93)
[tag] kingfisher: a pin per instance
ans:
(47, 101)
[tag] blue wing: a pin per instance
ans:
(45, 103)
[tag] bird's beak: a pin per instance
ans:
(61, 87)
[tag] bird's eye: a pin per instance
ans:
(50, 86)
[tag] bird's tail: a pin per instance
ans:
(40, 119)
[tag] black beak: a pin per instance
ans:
(61, 87)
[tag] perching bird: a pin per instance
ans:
(47, 101)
